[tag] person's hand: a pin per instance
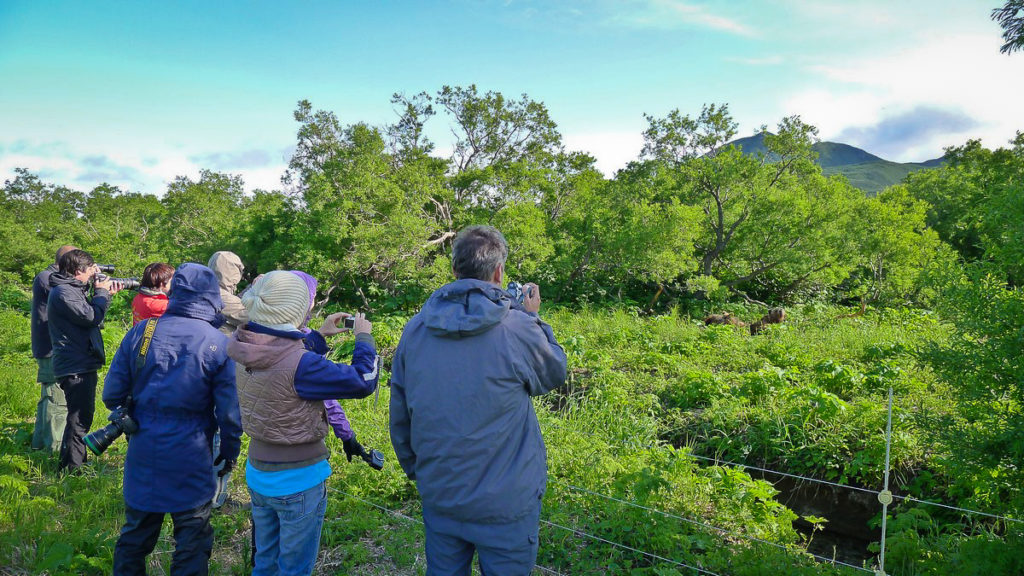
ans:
(223, 466)
(352, 448)
(334, 324)
(531, 297)
(107, 285)
(362, 325)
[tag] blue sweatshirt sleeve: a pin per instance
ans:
(118, 383)
(543, 361)
(399, 422)
(226, 410)
(317, 378)
(315, 342)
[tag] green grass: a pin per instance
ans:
(644, 393)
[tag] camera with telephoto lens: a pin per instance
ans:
(518, 292)
(120, 423)
(125, 283)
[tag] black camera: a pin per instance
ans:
(374, 458)
(106, 268)
(125, 283)
(120, 423)
(518, 292)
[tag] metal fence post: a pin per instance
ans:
(885, 496)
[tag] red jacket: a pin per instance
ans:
(145, 306)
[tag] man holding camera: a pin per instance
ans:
(74, 322)
(174, 377)
(52, 409)
(462, 420)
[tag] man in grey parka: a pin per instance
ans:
(462, 421)
(228, 268)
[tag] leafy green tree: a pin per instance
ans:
(896, 250)
(504, 148)
(771, 223)
(35, 219)
(976, 201)
(1011, 20)
(201, 216)
(366, 226)
(122, 228)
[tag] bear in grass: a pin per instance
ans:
(774, 316)
(724, 318)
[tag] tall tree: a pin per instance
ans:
(36, 218)
(503, 150)
(201, 216)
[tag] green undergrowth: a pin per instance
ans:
(632, 440)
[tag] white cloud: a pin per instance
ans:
(764, 61)
(671, 14)
(613, 150)
(148, 171)
(962, 74)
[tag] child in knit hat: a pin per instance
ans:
(281, 389)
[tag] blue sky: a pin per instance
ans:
(136, 93)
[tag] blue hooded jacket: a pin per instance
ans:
(183, 392)
(462, 422)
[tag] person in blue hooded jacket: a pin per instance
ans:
(182, 390)
(462, 420)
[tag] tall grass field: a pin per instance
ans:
(665, 449)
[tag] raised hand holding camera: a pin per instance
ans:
(344, 322)
(526, 294)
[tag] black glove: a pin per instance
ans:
(229, 465)
(353, 448)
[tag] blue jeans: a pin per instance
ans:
(287, 531)
(503, 549)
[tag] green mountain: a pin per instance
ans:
(863, 169)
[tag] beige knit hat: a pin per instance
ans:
(278, 300)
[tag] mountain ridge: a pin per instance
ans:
(864, 170)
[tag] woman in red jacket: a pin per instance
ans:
(151, 301)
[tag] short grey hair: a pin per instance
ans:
(477, 252)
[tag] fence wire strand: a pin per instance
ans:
(544, 569)
(630, 548)
(708, 526)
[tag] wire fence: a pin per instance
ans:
(885, 497)
(711, 527)
(720, 462)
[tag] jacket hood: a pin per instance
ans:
(58, 279)
(464, 308)
(228, 268)
(259, 350)
(195, 293)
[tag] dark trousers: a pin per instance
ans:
(193, 541)
(80, 395)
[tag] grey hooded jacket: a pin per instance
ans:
(228, 268)
(462, 422)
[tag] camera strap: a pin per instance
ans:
(140, 360)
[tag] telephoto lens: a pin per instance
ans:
(120, 422)
(100, 440)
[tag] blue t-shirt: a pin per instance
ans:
(286, 482)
